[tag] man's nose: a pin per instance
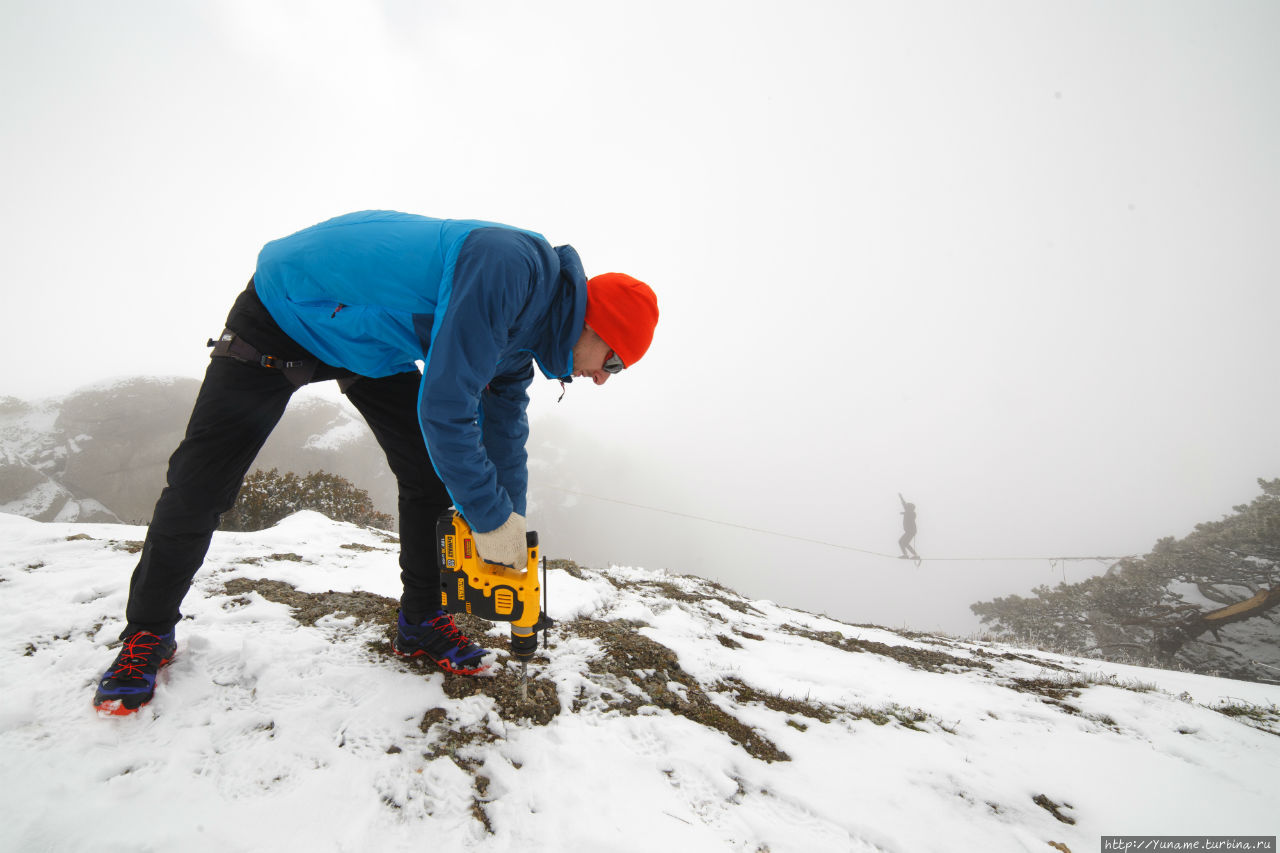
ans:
(600, 377)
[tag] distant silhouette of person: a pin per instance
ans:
(908, 529)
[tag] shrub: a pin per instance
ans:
(268, 496)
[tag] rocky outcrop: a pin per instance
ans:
(100, 453)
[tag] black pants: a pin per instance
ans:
(904, 542)
(238, 406)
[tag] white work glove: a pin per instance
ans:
(506, 544)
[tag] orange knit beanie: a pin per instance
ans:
(623, 312)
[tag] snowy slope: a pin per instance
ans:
(670, 714)
(33, 456)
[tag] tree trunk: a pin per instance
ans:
(1171, 641)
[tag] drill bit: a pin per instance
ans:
(524, 681)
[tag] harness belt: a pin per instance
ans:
(231, 345)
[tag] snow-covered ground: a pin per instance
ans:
(669, 714)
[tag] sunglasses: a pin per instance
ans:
(613, 364)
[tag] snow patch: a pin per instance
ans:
(346, 432)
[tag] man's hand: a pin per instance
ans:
(505, 545)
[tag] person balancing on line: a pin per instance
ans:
(908, 529)
(362, 299)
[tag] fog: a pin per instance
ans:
(1016, 261)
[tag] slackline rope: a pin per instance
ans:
(818, 541)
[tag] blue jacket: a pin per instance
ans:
(476, 302)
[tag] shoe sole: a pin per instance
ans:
(443, 663)
(117, 708)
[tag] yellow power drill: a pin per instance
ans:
(491, 591)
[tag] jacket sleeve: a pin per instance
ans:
(489, 288)
(505, 426)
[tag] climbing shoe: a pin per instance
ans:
(131, 681)
(441, 640)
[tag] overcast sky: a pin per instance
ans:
(1015, 260)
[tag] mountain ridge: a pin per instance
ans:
(99, 453)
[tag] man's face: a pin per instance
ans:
(589, 355)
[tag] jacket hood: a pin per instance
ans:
(565, 318)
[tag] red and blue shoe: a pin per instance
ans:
(131, 681)
(441, 640)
